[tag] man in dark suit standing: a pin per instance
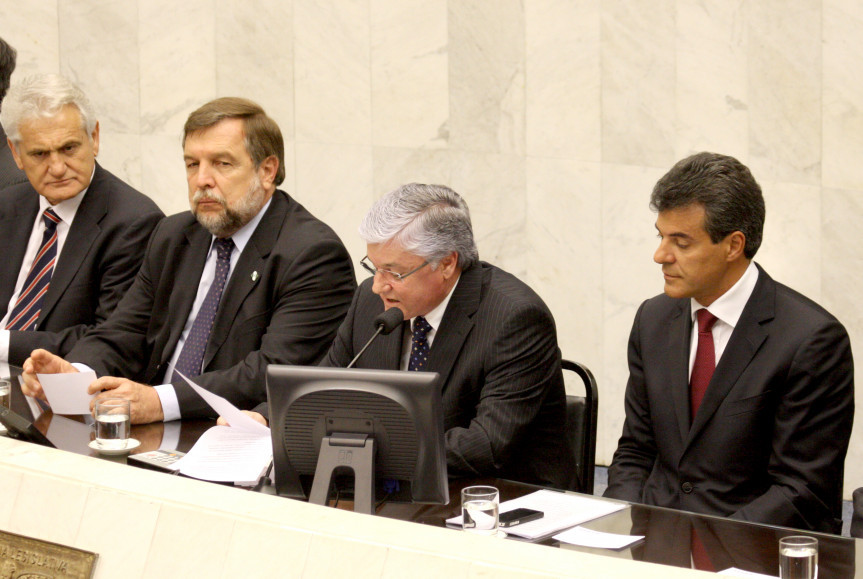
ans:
(246, 279)
(741, 391)
(74, 234)
(488, 335)
(10, 174)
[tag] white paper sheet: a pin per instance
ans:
(596, 539)
(228, 411)
(237, 453)
(226, 454)
(67, 393)
(561, 511)
(735, 572)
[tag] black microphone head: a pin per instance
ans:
(389, 320)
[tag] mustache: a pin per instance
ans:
(208, 195)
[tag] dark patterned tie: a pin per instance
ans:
(420, 345)
(26, 311)
(705, 361)
(192, 356)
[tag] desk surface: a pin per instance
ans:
(668, 533)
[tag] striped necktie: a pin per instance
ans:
(25, 313)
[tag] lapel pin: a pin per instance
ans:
(255, 276)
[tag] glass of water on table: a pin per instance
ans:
(479, 509)
(112, 424)
(798, 557)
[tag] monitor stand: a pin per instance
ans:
(346, 450)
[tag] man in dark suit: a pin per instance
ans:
(101, 229)
(488, 335)
(10, 174)
(741, 391)
(248, 278)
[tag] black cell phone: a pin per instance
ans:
(519, 516)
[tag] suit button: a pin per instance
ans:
(687, 487)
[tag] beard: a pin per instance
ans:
(230, 219)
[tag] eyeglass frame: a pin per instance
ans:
(398, 277)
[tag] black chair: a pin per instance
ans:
(857, 514)
(581, 418)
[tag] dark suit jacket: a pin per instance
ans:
(10, 174)
(100, 258)
(496, 351)
(768, 443)
(283, 303)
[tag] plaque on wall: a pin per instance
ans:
(27, 558)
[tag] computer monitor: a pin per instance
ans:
(384, 427)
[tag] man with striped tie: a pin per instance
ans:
(74, 234)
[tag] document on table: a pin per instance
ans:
(561, 511)
(596, 539)
(67, 393)
(236, 453)
(225, 454)
(735, 572)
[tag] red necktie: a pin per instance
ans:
(705, 361)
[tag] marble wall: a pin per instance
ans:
(553, 118)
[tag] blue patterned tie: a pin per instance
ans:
(25, 313)
(420, 345)
(192, 356)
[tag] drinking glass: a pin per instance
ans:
(798, 557)
(479, 509)
(112, 424)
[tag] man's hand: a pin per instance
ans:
(256, 415)
(144, 403)
(42, 362)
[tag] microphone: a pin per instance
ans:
(385, 323)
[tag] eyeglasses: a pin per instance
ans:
(397, 277)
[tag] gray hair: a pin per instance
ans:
(7, 66)
(42, 96)
(430, 221)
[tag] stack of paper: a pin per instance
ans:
(237, 453)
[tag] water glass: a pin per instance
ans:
(479, 509)
(112, 424)
(798, 557)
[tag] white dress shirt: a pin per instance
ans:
(167, 395)
(66, 211)
(727, 308)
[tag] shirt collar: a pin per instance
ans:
(435, 316)
(729, 306)
(244, 234)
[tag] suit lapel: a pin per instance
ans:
(18, 216)
(247, 272)
(679, 336)
(745, 341)
(82, 233)
(456, 324)
(189, 266)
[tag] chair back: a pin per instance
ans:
(581, 419)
